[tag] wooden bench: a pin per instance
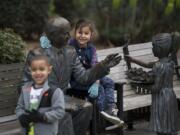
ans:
(131, 100)
(10, 76)
(127, 98)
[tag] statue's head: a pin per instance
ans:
(162, 45)
(57, 30)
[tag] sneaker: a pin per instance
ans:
(114, 112)
(113, 119)
(124, 126)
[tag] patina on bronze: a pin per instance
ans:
(164, 108)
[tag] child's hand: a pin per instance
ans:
(24, 120)
(36, 116)
(45, 42)
(93, 90)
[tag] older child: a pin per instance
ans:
(164, 109)
(83, 43)
(40, 107)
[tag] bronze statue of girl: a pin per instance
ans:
(164, 108)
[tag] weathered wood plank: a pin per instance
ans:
(119, 49)
(10, 75)
(10, 127)
(7, 118)
(7, 67)
(8, 83)
(7, 111)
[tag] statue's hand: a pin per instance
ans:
(44, 42)
(128, 58)
(112, 60)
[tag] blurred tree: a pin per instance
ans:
(27, 17)
(116, 18)
(52, 8)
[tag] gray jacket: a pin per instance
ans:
(52, 113)
(66, 64)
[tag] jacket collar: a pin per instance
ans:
(27, 90)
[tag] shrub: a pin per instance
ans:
(11, 47)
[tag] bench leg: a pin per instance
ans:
(130, 119)
(119, 88)
(93, 129)
(130, 126)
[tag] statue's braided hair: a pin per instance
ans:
(162, 44)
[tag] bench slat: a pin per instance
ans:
(15, 66)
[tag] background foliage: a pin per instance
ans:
(114, 18)
(11, 47)
(26, 17)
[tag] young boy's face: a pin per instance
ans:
(40, 70)
(83, 35)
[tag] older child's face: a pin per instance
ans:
(83, 36)
(40, 70)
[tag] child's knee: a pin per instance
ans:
(107, 82)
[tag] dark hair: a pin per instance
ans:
(87, 23)
(39, 57)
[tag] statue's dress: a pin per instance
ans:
(164, 109)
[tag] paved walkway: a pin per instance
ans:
(141, 129)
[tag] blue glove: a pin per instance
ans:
(93, 90)
(45, 42)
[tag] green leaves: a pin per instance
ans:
(116, 4)
(51, 8)
(169, 7)
(177, 3)
(133, 3)
(11, 47)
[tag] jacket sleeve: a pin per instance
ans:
(89, 76)
(57, 108)
(20, 108)
(94, 60)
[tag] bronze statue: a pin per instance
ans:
(164, 108)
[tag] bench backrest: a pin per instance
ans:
(10, 75)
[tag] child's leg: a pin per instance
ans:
(101, 99)
(108, 85)
(109, 104)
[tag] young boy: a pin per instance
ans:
(40, 107)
